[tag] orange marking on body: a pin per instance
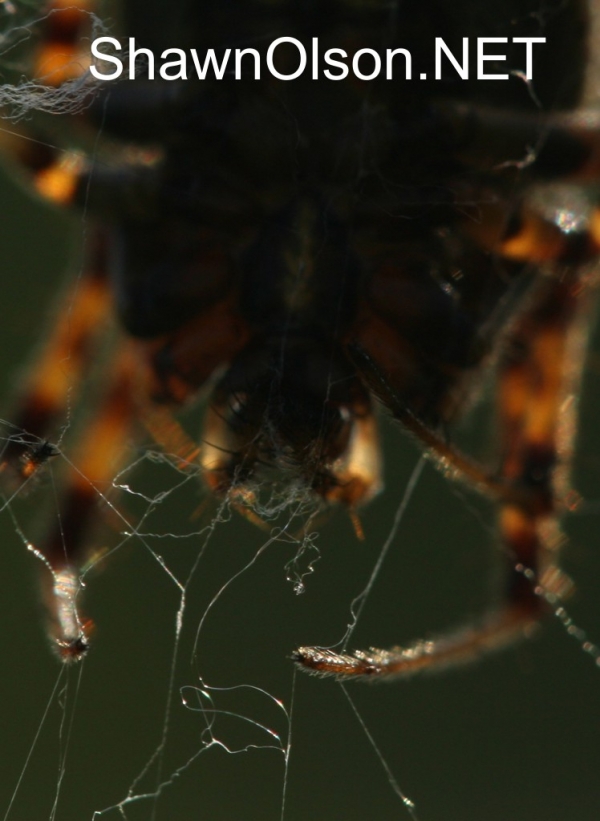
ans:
(56, 63)
(357, 525)
(61, 56)
(547, 361)
(537, 241)
(514, 392)
(250, 515)
(28, 469)
(64, 355)
(168, 433)
(594, 228)
(102, 447)
(518, 529)
(58, 182)
(514, 522)
(514, 398)
(34, 458)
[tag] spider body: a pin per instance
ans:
(316, 244)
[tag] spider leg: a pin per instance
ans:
(564, 228)
(64, 551)
(60, 56)
(549, 146)
(536, 429)
(531, 234)
(49, 389)
(69, 178)
(65, 176)
(446, 456)
(53, 382)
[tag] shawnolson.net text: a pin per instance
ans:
(365, 64)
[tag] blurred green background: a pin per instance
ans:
(516, 736)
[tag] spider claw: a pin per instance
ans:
(68, 632)
(323, 662)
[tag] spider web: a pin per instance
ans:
(187, 705)
(20, 96)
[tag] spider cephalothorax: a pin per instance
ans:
(293, 403)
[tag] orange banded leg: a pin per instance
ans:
(58, 58)
(535, 442)
(65, 551)
(452, 462)
(69, 179)
(64, 52)
(537, 381)
(57, 175)
(54, 379)
(529, 236)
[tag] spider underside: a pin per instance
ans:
(323, 249)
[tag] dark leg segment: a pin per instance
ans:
(65, 550)
(537, 375)
(55, 378)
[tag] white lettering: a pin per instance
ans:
(462, 70)
(336, 64)
(301, 51)
(107, 58)
(239, 53)
(376, 60)
(180, 63)
(134, 54)
(210, 60)
(390, 54)
(528, 43)
(481, 58)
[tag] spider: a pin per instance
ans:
(312, 249)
